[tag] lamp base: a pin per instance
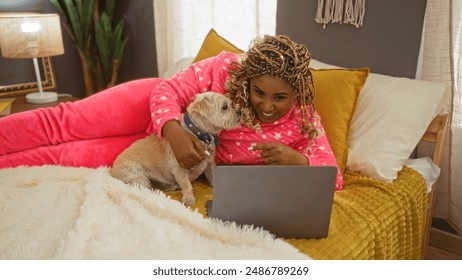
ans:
(41, 98)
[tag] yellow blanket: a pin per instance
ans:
(370, 219)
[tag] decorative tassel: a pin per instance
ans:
(319, 17)
(354, 14)
(332, 11)
(337, 11)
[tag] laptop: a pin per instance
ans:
(288, 201)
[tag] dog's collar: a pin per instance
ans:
(203, 136)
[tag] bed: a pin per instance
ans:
(383, 212)
(385, 209)
(55, 212)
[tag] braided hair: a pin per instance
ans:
(277, 56)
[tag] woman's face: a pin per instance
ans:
(271, 98)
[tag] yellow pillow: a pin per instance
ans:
(213, 44)
(337, 93)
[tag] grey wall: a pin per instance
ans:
(139, 61)
(388, 42)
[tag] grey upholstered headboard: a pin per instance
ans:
(387, 43)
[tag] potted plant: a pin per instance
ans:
(98, 38)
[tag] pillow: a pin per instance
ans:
(213, 44)
(316, 64)
(337, 93)
(177, 67)
(391, 116)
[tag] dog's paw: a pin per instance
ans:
(188, 200)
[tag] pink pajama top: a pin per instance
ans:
(171, 97)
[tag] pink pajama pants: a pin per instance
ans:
(90, 132)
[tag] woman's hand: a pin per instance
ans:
(274, 153)
(187, 149)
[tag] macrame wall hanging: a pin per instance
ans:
(341, 11)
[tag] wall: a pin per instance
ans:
(379, 44)
(388, 42)
(139, 61)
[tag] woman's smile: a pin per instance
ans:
(266, 117)
(267, 114)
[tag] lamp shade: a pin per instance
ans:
(28, 35)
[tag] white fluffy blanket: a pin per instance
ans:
(53, 212)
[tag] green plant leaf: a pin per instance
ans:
(102, 32)
(109, 7)
(88, 14)
(58, 6)
(78, 7)
(74, 22)
(119, 43)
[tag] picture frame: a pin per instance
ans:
(30, 85)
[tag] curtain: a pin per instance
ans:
(181, 25)
(442, 61)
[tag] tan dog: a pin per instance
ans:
(152, 160)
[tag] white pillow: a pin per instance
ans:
(177, 67)
(316, 64)
(391, 116)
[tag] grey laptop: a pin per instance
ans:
(288, 201)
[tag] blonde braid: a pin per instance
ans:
(277, 56)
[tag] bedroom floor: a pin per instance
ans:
(445, 243)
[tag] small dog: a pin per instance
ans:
(152, 160)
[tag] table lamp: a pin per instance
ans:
(28, 35)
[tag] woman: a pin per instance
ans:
(273, 86)
(271, 83)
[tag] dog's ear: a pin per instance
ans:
(201, 104)
(203, 96)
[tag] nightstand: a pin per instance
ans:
(20, 104)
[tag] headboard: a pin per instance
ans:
(388, 42)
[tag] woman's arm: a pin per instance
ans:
(171, 98)
(187, 149)
(274, 153)
(318, 152)
(301, 151)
